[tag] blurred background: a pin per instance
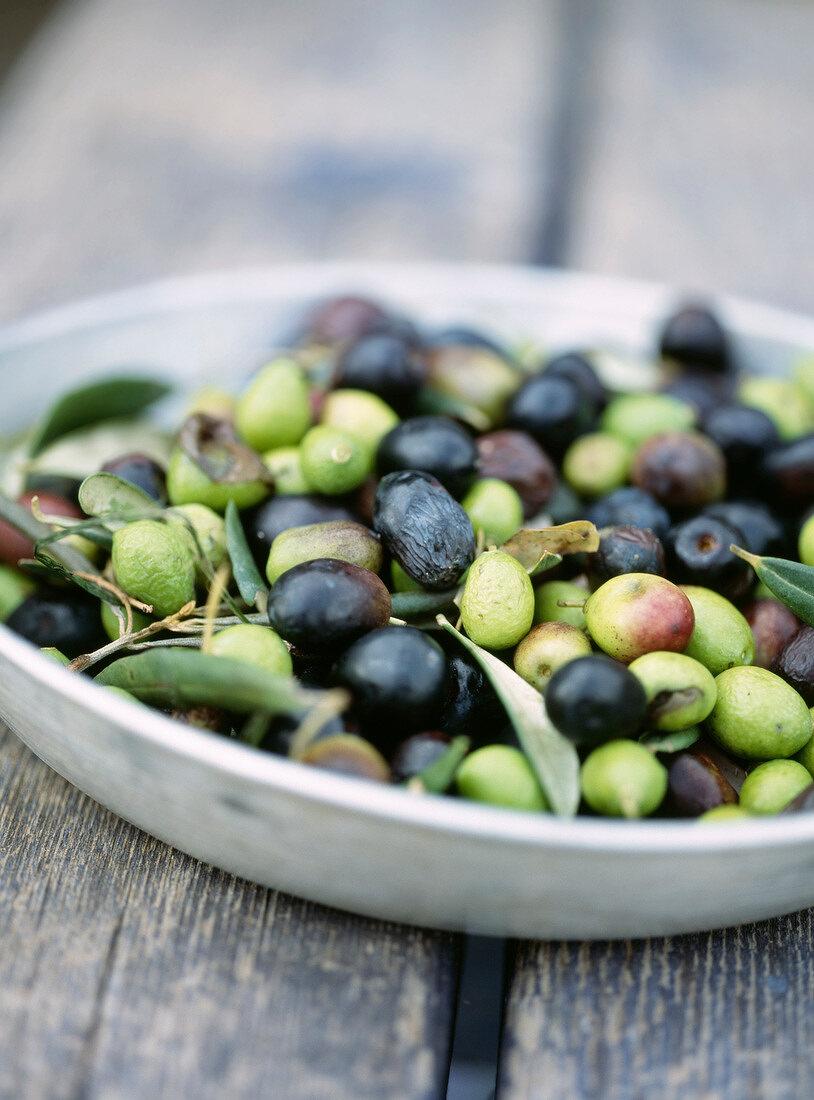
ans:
(638, 137)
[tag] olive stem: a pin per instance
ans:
(753, 559)
(571, 603)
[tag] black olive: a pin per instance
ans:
(695, 784)
(703, 392)
(142, 471)
(385, 364)
(268, 520)
(69, 623)
(629, 507)
(397, 679)
(342, 319)
(517, 459)
(694, 336)
(789, 470)
(57, 484)
(434, 444)
(282, 728)
(417, 753)
(462, 335)
(471, 705)
(424, 528)
(698, 553)
(594, 699)
(763, 532)
(625, 550)
(577, 369)
(745, 436)
(795, 663)
(321, 606)
(552, 410)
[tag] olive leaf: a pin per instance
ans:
(790, 581)
(247, 575)
(670, 742)
(176, 677)
(532, 547)
(101, 400)
(437, 777)
(214, 447)
(415, 605)
(552, 756)
(103, 492)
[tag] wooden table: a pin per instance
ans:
(138, 140)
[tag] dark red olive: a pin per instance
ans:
(142, 471)
(695, 784)
(795, 663)
(434, 444)
(321, 606)
(342, 319)
(417, 753)
(694, 337)
(424, 528)
(773, 624)
(789, 471)
(70, 623)
(682, 470)
(624, 550)
(14, 545)
(516, 458)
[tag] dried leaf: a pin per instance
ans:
(214, 447)
(531, 547)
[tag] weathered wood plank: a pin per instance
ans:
(725, 1015)
(128, 970)
(697, 147)
(197, 138)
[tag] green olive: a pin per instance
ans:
(806, 542)
(188, 484)
(757, 715)
(361, 415)
(402, 581)
(341, 539)
(275, 410)
(806, 753)
(597, 463)
(332, 461)
(782, 400)
(501, 776)
(285, 466)
(680, 691)
(204, 532)
(771, 786)
(724, 813)
(623, 779)
(721, 637)
(495, 509)
(152, 563)
(497, 605)
(112, 626)
(635, 417)
(547, 647)
(547, 603)
(14, 587)
(256, 645)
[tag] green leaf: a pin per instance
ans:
(96, 401)
(247, 575)
(670, 742)
(415, 605)
(552, 756)
(437, 777)
(178, 677)
(101, 493)
(791, 581)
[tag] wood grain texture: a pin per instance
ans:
(697, 148)
(130, 970)
(726, 1016)
(166, 136)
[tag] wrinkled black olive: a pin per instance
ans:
(67, 622)
(552, 410)
(424, 528)
(417, 753)
(694, 336)
(321, 606)
(762, 531)
(624, 550)
(142, 471)
(385, 364)
(397, 679)
(795, 663)
(268, 520)
(434, 444)
(698, 553)
(695, 784)
(629, 507)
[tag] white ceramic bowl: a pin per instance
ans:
(372, 849)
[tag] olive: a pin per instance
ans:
(547, 647)
(593, 699)
(464, 336)
(682, 470)
(702, 392)
(434, 444)
(770, 786)
(637, 417)
(341, 319)
(202, 718)
(629, 507)
(698, 553)
(789, 470)
(67, 622)
(470, 703)
(339, 539)
(500, 775)
(623, 779)
(773, 624)
(624, 550)
(417, 753)
(694, 337)
(696, 784)
(577, 369)
(553, 410)
(517, 459)
(795, 663)
(397, 679)
(283, 727)
(347, 754)
(321, 606)
(424, 528)
(13, 544)
(803, 803)
(384, 364)
(269, 519)
(762, 531)
(637, 613)
(745, 435)
(142, 471)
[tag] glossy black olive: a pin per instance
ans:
(698, 553)
(384, 364)
(434, 444)
(397, 679)
(277, 514)
(594, 699)
(417, 753)
(763, 532)
(65, 621)
(624, 550)
(745, 436)
(695, 337)
(321, 606)
(630, 507)
(552, 410)
(577, 369)
(789, 471)
(795, 663)
(470, 705)
(517, 459)
(696, 784)
(140, 470)
(424, 528)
